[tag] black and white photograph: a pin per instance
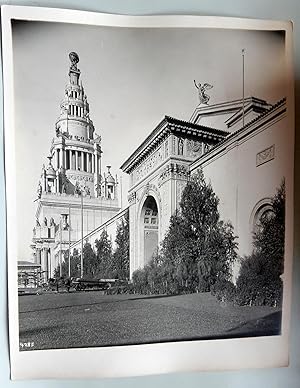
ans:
(149, 184)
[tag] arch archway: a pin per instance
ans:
(263, 208)
(149, 226)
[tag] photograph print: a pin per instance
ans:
(152, 171)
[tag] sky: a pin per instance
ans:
(132, 78)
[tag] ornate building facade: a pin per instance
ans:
(241, 147)
(73, 191)
(159, 170)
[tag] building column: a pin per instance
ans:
(70, 159)
(63, 157)
(88, 169)
(93, 163)
(80, 160)
(44, 265)
(76, 160)
(44, 181)
(49, 264)
(38, 256)
(83, 161)
(95, 159)
(58, 157)
(56, 182)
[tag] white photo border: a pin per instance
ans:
(133, 360)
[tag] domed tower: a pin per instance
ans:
(72, 197)
(76, 148)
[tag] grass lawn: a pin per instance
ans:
(85, 319)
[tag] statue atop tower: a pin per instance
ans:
(74, 72)
(74, 58)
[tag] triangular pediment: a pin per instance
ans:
(228, 116)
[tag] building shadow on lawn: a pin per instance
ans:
(146, 297)
(268, 325)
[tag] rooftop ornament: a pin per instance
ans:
(74, 58)
(203, 97)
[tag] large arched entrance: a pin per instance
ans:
(149, 228)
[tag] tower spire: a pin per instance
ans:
(74, 72)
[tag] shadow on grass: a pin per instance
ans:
(241, 331)
(146, 297)
(25, 334)
(268, 325)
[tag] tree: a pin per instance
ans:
(259, 280)
(89, 262)
(104, 256)
(214, 240)
(269, 238)
(120, 265)
(74, 268)
(199, 248)
(178, 255)
(202, 245)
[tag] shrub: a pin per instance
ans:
(256, 284)
(224, 290)
(259, 281)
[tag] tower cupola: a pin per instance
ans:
(74, 121)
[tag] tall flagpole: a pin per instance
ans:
(121, 194)
(243, 57)
(81, 256)
(69, 242)
(68, 113)
(60, 248)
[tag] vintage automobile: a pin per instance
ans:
(81, 284)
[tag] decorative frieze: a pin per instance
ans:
(76, 177)
(265, 156)
(132, 198)
(155, 159)
(173, 170)
(166, 148)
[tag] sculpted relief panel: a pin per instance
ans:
(194, 148)
(180, 185)
(175, 171)
(149, 164)
(77, 177)
(165, 207)
(265, 155)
